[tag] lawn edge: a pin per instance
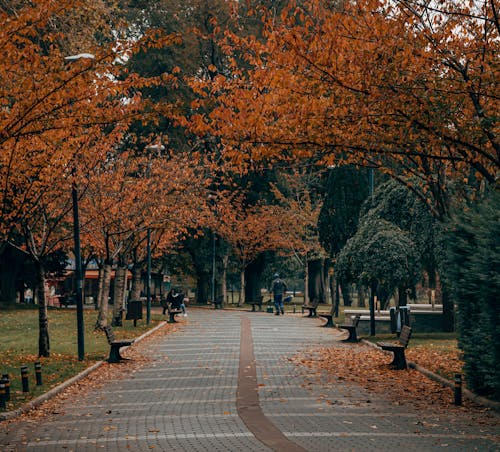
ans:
(28, 406)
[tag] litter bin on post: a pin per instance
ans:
(394, 321)
(134, 311)
(404, 312)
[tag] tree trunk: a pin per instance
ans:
(242, 287)
(253, 272)
(334, 309)
(402, 296)
(361, 296)
(100, 285)
(448, 311)
(102, 318)
(225, 262)
(316, 284)
(373, 290)
(119, 295)
(11, 263)
(43, 321)
(135, 293)
(306, 282)
(202, 287)
(346, 294)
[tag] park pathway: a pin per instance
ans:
(230, 381)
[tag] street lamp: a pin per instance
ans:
(211, 199)
(372, 288)
(153, 147)
(77, 247)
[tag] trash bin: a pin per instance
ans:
(404, 314)
(394, 321)
(134, 310)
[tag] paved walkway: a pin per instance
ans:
(198, 392)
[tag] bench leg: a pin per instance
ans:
(114, 355)
(353, 336)
(171, 318)
(253, 308)
(399, 361)
(329, 322)
(312, 312)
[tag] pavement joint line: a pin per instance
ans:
(153, 436)
(148, 417)
(177, 388)
(184, 377)
(155, 369)
(342, 414)
(160, 402)
(205, 354)
(387, 435)
(200, 349)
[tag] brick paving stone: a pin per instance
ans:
(184, 399)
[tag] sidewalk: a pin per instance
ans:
(195, 390)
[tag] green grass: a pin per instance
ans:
(19, 347)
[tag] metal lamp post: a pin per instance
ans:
(77, 247)
(78, 275)
(372, 288)
(148, 288)
(153, 147)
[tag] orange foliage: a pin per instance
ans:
(393, 85)
(55, 115)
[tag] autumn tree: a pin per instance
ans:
(249, 229)
(298, 205)
(59, 118)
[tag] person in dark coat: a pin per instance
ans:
(278, 288)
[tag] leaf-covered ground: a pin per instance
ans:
(369, 368)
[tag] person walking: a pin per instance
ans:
(278, 288)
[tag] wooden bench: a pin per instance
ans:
(114, 352)
(398, 348)
(351, 328)
(66, 301)
(218, 302)
(329, 320)
(312, 310)
(256, 302)
(172, 312)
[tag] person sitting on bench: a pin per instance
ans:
(176, 301)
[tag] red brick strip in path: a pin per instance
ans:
(247, 397)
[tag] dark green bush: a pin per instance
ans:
(472, 271)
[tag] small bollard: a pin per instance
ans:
(24, 379)
(2, 394)
(7, 386)
(458, 389)
(38, 373)
(294, 309)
